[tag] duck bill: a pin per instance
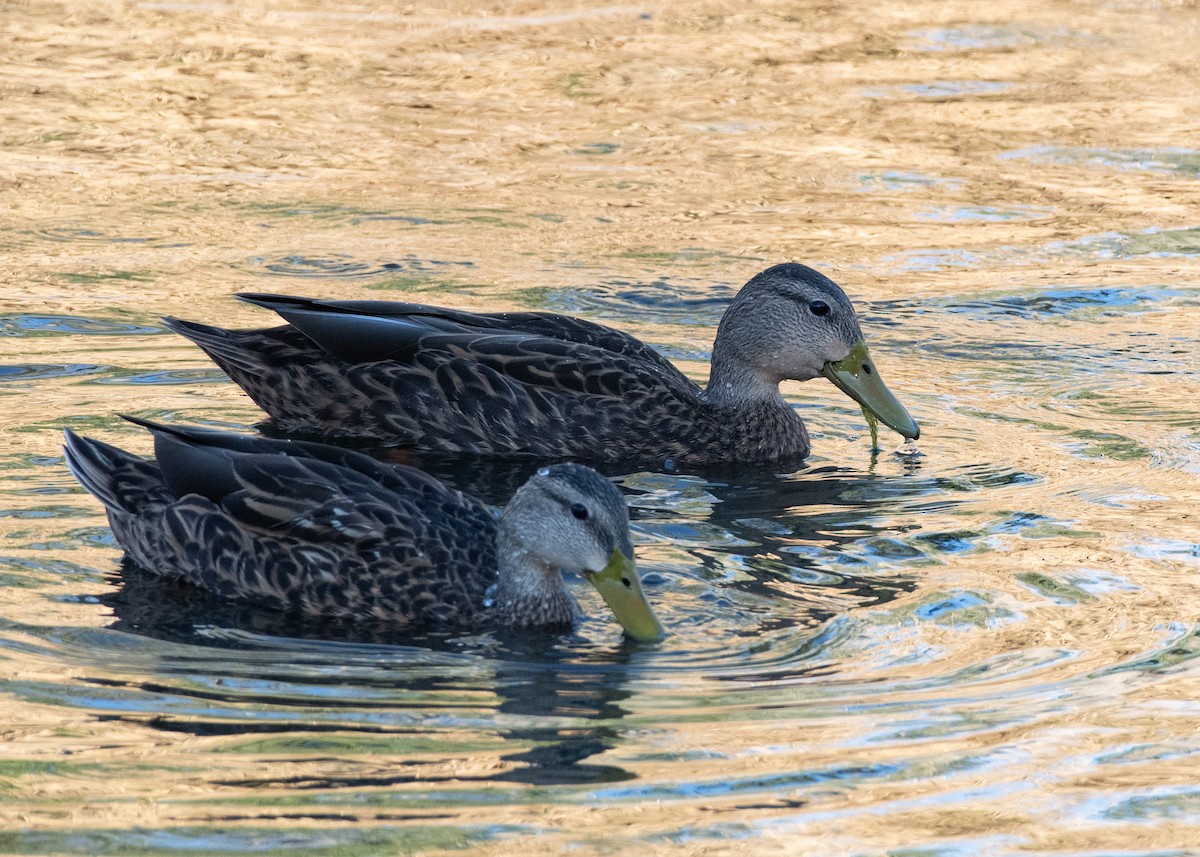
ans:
(621, 589)
(857, 376)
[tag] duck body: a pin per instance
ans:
(540, 384)
(496, 394)
(325, 531)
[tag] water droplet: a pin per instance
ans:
(908, 449)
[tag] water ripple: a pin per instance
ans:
(345, 266)
(161, 377)
(984, 213)
(1150, 243)
(940, 90)
(893, 181)
(47, 325)
(984, 37)
(681, 301)
(221, 839)
(1077, 302)
(40, 371)
(1176, 160)
(75, 232)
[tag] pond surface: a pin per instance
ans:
(990, 648)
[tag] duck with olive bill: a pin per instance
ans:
(554, 386)
(325, 531)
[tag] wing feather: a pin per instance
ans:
(446, 380)
(296, 526)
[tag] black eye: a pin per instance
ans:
(579, 511)
(819, 308)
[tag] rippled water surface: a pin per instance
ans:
(992, 647)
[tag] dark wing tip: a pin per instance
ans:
(189, 329)
(150, 425)
(91, 462)
(269, 300)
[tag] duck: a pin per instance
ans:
(554, 386)
(327, 531)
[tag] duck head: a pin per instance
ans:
(568, 517)
(791, 322)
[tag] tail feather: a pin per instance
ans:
(92, 463)
(121, 481)
(198, 436)
(219, 344)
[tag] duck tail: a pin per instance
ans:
(225, 347)
(118, 479)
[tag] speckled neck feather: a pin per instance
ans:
(529, 592)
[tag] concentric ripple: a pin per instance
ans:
(661, 301)
(344, 266)
(73, 232)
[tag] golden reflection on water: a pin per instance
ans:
(988, 650)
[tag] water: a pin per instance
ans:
(989, 648)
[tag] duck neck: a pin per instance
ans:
(529, 592)
(733, 383)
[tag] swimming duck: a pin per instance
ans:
(326, 531)
(535, 383)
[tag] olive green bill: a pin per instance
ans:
(621, 589)
(856, 376)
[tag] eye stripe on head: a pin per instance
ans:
(574, 485)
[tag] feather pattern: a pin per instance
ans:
(328, 531)
(539, 384)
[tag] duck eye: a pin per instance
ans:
(579, 511)
(819, 308)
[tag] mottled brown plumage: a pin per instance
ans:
(541, 384)
(331, 532)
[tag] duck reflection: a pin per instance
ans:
(557, 699)
(535, 678)
(534, 684)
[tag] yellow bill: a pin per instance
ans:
(856, 376)
(621, 588)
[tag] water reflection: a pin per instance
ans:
(992, 649)
(558, 699)
(584, 690)
(343, 266)
(564, 704)
(1173, 159)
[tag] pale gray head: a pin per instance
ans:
(568, 517)
(786, 323)
(791, 322)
